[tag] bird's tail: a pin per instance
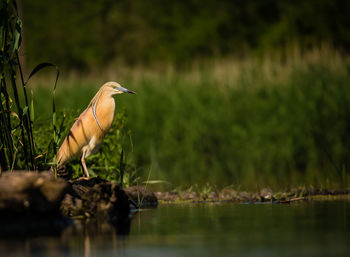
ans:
(62, 156)
(59, 167)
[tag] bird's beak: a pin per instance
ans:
(125, 90)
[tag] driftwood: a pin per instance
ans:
(293, 200)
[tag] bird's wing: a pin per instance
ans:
(79, 136)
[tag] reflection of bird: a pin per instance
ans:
(89, 129)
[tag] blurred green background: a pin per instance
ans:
(230, 93)
(94, 33)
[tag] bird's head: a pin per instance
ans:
(114, 88)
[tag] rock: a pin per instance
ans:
(338, 191)
(30, 202)
(33, 203)
(266, 194)
(30, 194)
(95, 198)
(168, 196)
(212, 196)
(255, 197)
(188, 195)
(280, 196)
(141, 196)
(228, 194)
(244, 196)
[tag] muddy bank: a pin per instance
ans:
(41, 196)
(265, 195)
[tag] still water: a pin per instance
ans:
(315, 228)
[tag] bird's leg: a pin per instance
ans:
(84, 165)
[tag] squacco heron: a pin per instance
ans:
(92, 125)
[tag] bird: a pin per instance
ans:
(90, 127)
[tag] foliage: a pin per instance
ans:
(17, 147)
(272, 123)
(250, 125)
(95, 33)
(283, 134)
(16, 116)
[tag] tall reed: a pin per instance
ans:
(17, 148)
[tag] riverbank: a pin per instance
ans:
(41, 194)
(33, 203)
(265, 195)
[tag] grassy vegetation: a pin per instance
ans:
(98, 32)
(280, 122)
(17, 146)
(16, 116)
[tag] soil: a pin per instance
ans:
(265, 195)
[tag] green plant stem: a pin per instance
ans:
(27, 121)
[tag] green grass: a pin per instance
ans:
(251, 125)
(17, 146)
(16, 137)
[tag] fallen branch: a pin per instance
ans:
(293, 200)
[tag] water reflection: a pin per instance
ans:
(61, 237)
(96, 232)
(303, 229)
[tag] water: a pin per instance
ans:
(300, 229)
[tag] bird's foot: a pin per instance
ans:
(83, 178)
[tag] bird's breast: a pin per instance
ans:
(105, 112)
